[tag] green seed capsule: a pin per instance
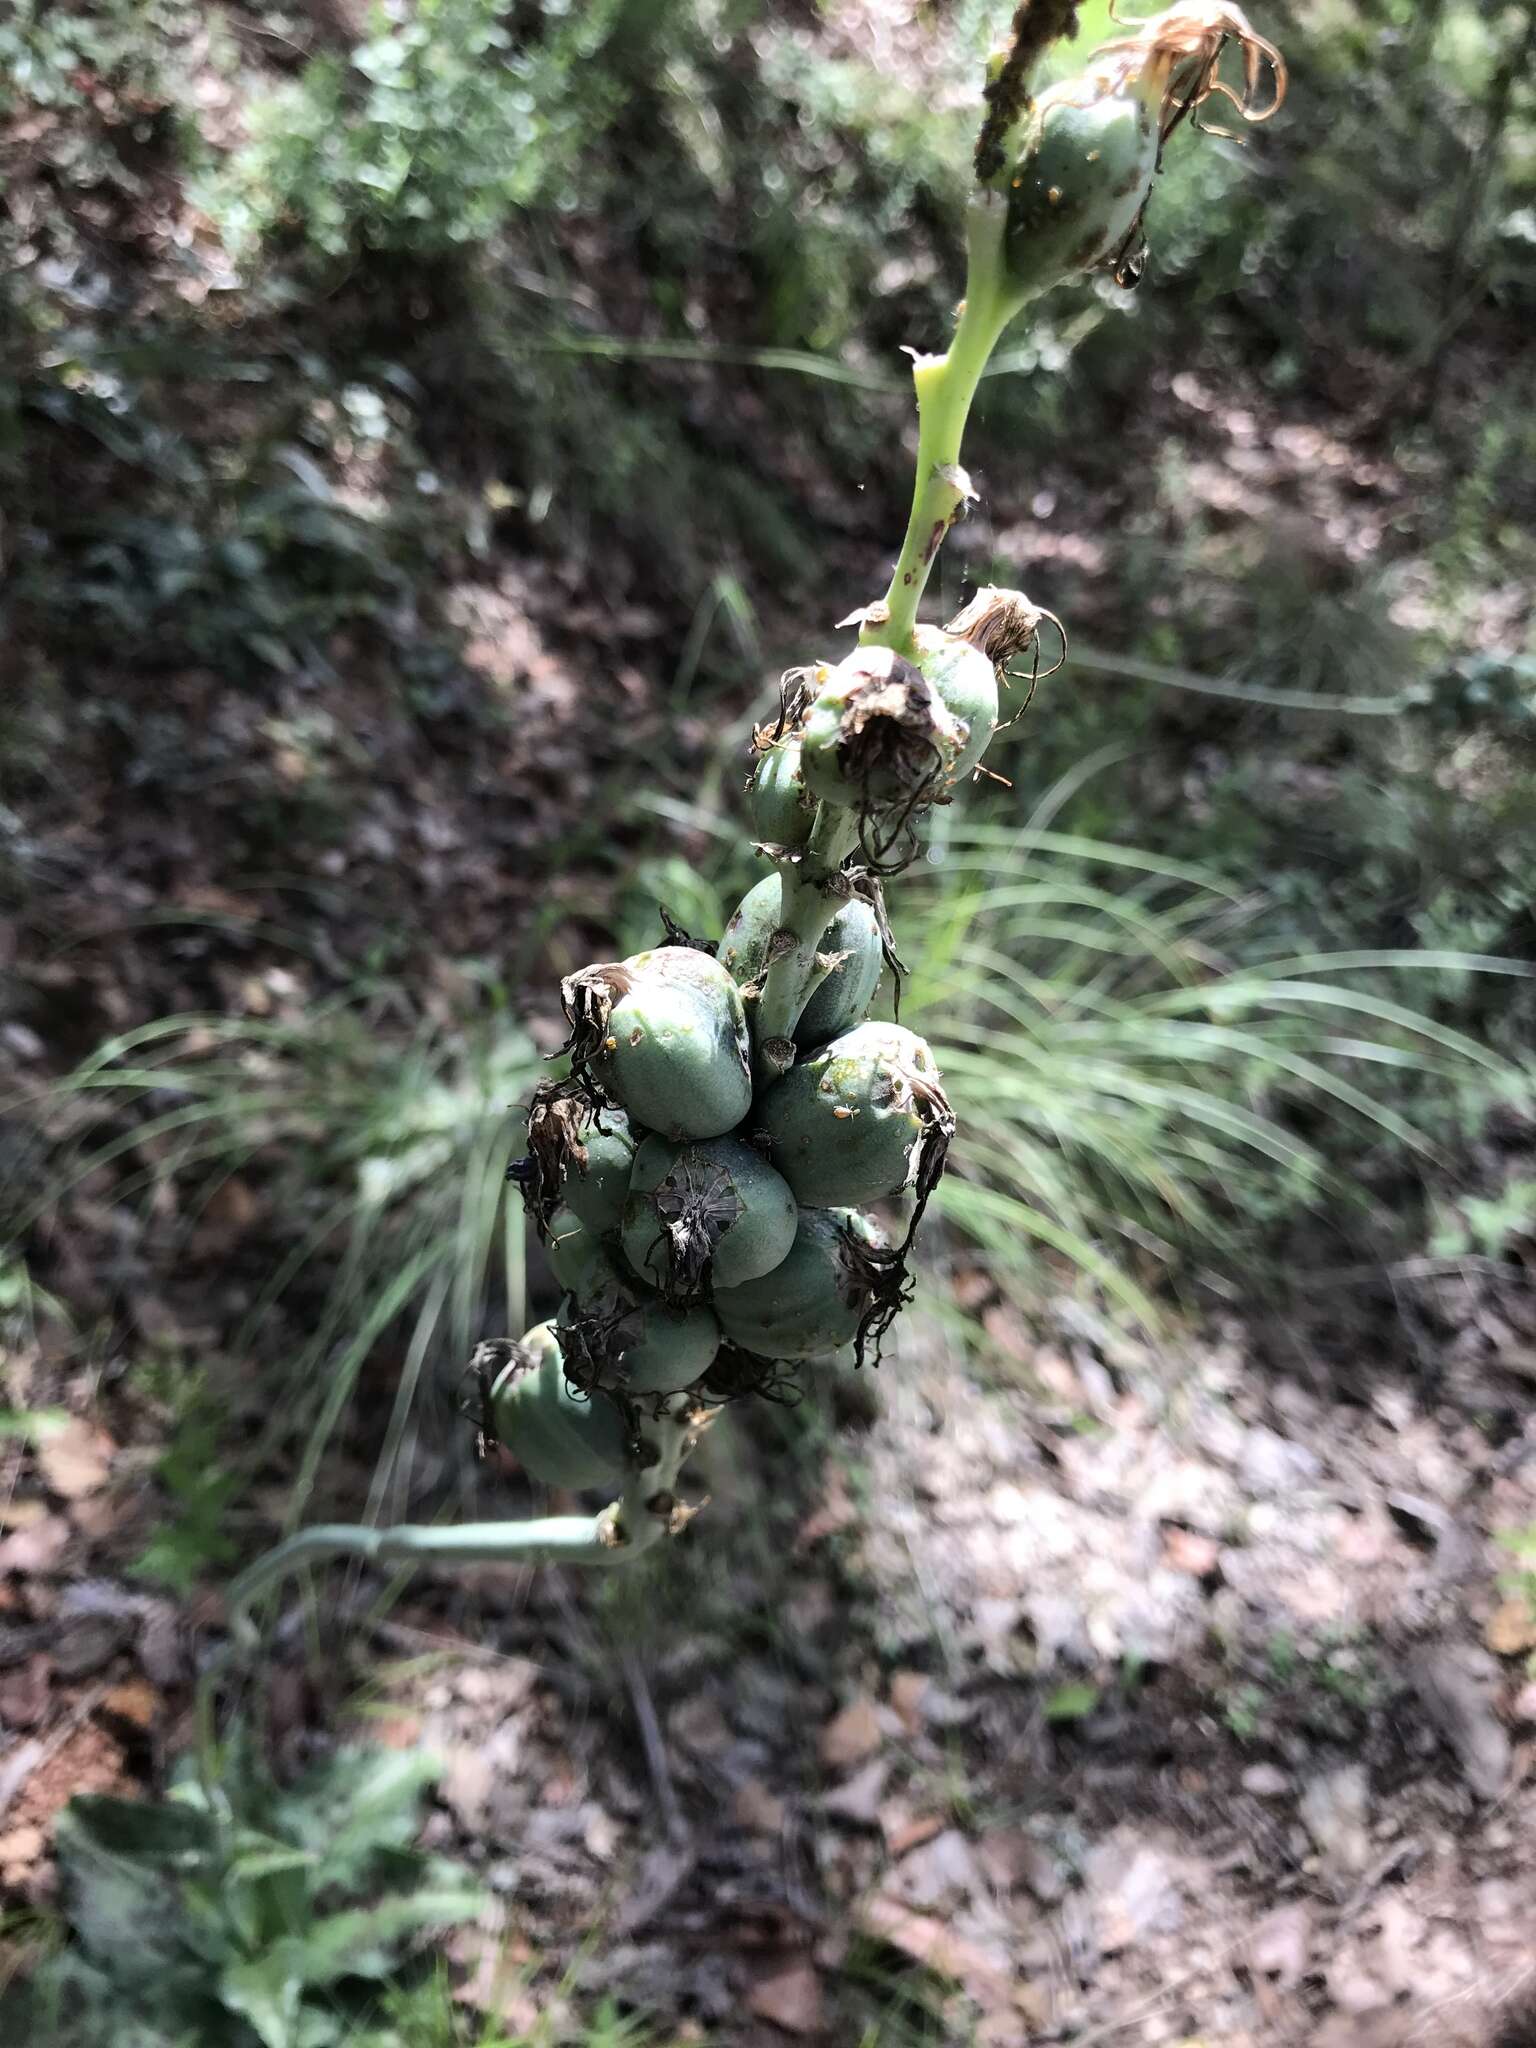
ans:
(576, 1156)
(713, 1212)
(965, 682)
(561, 1437)
(783, 810)
(876, 735)
(597, 1180)
(809, 1305)
(853, 939)
(635, 1347)
(1079, 183)
(1077, 179)
(577, 1257)
(665, 1034)
(851, 1123)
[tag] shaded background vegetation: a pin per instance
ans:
(425, 431)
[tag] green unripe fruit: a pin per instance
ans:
(633, 1347)
(665, 1034)
(596, 1180)
(1079, 183)
(783, 810)
(965, 682)
(842, 998)
(848, 1124)
(577, 1156)
(877, 736)
(809, 1305)
(577, 1257)
(714, 1211)
(561, 1437)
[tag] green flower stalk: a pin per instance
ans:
(701, 1180)
(1062, 185)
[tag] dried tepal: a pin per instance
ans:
(701, 1177)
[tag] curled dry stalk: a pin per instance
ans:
(853, 758)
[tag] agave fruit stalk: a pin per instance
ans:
(645, 1509)
(697, 1180)
(1062, 184)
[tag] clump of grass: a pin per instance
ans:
(1138, 1087)
(376, 1145)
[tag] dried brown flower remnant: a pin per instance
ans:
(1181, 50)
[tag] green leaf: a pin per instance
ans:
(362, 1942)
(142, 1830)
(352, 1806)
(266, 1990)
(1074, 1702)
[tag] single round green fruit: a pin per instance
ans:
(638, 1347)
(561, 1437)
(577, 1257)
(668, 1039)
(965, 682)
(1079, 183)
(877, 736)
(842, 998)
(578, 1155)
(809, 1305)
(847, 1123)
(596, 1177)
(713, 1212)
(783, 810)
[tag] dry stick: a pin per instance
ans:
(654, 1745)
(1035, 25)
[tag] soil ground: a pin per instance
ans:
(1125, 1694)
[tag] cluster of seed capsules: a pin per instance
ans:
(703, 1180)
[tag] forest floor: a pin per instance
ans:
(1112, 1693)
(1145, 1697)
(1115, 1692)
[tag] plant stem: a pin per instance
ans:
(806, 908)
(639, 1518)
(946, 386)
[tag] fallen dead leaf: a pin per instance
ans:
(851, 1736)
(466, 1784)
(1511, 1629)
(858, 1798)
(25, 1692)
(90, 1760)
(228, 1214)
(698, 1724)
(559, 1788)
(1266, 1781)
(1280, 1947)
(758, 1809)
(22, 1514)
(903, 1829)
(790, 1998)
(1185, 1550)
(37, 1548)
(836, 1512)
(21, 1845)
(398, 1729)
(1335, 1811)
(134, 1701)
(599, 1834)
(938, 1875)
(1012, 1858)
(937, 1948)
(75, 1459)
(907, 1689)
